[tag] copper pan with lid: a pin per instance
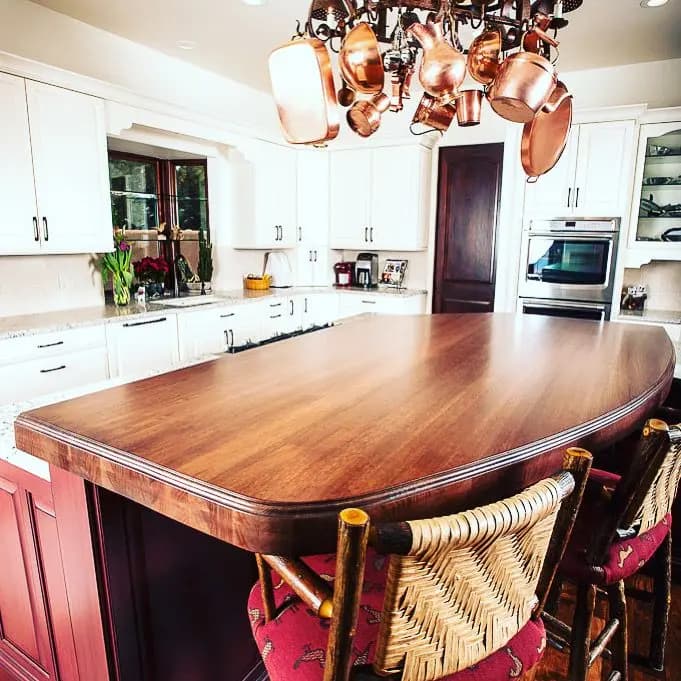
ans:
(545, 137)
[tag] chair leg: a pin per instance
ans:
(617, 602)
(580, 643)
(662, 586)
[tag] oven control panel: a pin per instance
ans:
(583, 226)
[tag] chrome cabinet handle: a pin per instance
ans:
(50, 345)
(371, 235)
(36, 231)
(49, 371)
(46, 233)
(569, 195)
(129, 325)
(577, 198)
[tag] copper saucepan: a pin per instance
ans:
(364, 117)
(434, 114)
(545, 136)
(309, 114)
(523, 84)
(360, 61)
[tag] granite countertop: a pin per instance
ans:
(8, 412)
(652, 316)
(27, 325)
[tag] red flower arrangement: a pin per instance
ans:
(151, 270)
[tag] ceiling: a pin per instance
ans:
(234, 39)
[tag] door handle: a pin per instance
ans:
(231, 334)
(292, 307)
(366, 234)
(569, 195)
(300, 233)
(577, 198)
(369, 302)
(46, 233)
(50, 345)
(275, 316)
(227, 337)
(276, 232)
(275, 304)
(305, 308)
(310, 256)
(315, 256)
(36, 231)
(371, 235)
(129, 325)
(224, 316)
(49, 371)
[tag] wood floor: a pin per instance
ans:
(554, 664)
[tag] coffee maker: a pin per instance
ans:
(366, 270)
(345, 272)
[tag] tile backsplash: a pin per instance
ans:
(33, 284)
(663, 280)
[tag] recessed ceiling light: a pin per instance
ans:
(186, 44)
(653, 3)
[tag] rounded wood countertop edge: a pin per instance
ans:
(632, 411)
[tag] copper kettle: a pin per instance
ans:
(443, 68)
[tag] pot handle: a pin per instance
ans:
(550, 107)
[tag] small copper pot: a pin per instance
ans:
(434, 114)
(468, 108)
(364, 117)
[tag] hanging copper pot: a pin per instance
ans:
(364, 117)
(360, 60)
(308, 115)
(442, 67)
(434, 114)
(545, 136)
(523, 84)
(469, 107)
(483, 56)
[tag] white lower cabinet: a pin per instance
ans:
(141, 346)
(52, 374)
(283, 315)
(319, 309)
(352, 304)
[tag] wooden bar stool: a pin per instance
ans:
(456, 597)
(622, 524)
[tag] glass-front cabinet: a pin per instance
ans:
(656, 221)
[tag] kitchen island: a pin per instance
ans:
(405, 417)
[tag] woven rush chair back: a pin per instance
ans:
(467, 585)
(660, 497)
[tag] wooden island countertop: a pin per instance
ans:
(403, 416)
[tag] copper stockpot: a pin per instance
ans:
(309, 114)
(523, 84)
(364, 117)
(468, 108)
(434, 114)
(360, 61)
(483, 56)
(442, 67)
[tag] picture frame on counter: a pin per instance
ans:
(394, 272)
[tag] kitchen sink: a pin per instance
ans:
(188, 301)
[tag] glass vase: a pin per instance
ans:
(121, 292)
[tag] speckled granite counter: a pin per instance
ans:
(8, 412)
(26, 325)
(652, 316)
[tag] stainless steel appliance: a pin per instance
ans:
(366, 270)
(571, 262)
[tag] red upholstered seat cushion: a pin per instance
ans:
(293, 646)
(625, 557)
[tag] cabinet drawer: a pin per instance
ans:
(42, 345)
(47, 375)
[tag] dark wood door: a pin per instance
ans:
(469, 191)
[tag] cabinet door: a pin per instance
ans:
(68, 138)
(18, 229)
(319, 309)
(399, 199)
(245, 324)
(313, 198)
(605, 169)
(305, 266)
(552, 195)
(321, 274)
(349, 199)
(203, 332)
(140, 347)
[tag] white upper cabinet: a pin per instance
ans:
(379, 198)
(271, 218)
(349, 198)
(593, 177)
(53, 141)
(19, 226)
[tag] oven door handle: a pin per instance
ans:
(574, 236)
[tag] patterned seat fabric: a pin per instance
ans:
(293, 646)
(625, 557)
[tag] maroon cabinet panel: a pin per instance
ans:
(45, 634)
